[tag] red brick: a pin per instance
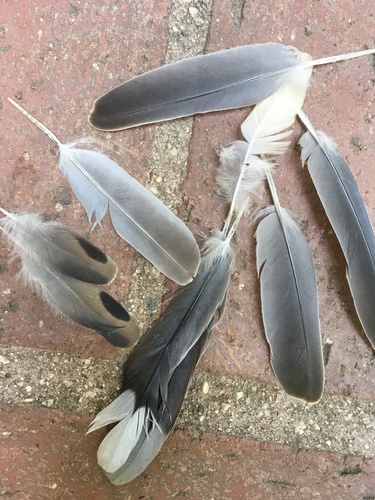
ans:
(46, 455)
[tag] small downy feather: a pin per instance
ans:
(158, 371)
(342, 202)
(137, 215)
(66, 270)
(227, 79)
(290, 304)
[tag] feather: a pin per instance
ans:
(227, 79)
(289, 303)
(158, 371)
(342, 202)
(66, 270)
(289, 297)
(137, 215)
(264, 130)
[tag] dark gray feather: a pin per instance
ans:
(158, 371)
(290, 306)
(153, 437)
(227, 79)
(342, 202)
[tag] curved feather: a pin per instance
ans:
(342, 202)
(290, 305)
(161, 365)
(137, 215)
(54, 272)
(227, 79)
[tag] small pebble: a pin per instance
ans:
(205, 387)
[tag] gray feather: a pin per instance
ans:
(342, 202)
(60, 248)
(290, 306)
(65, 270)
(221, 80)
(158, 371)
(137, 215)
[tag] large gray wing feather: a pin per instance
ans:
(342, 202)
(290, 306)
(221, 80)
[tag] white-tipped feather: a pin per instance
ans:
(66, 271)
(137, 215)
(158, 371)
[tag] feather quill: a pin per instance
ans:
(66, 270)
(137, 215)
(289, 302)
(342, 202)
(158, 371)
(227, 79)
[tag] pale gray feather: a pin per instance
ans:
(137, 215)
(342, 202)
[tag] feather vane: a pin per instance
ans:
(343, 204)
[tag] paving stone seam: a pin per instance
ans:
(219, 404)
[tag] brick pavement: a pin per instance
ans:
(242, 438)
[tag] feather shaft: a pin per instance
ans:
(345, 209)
